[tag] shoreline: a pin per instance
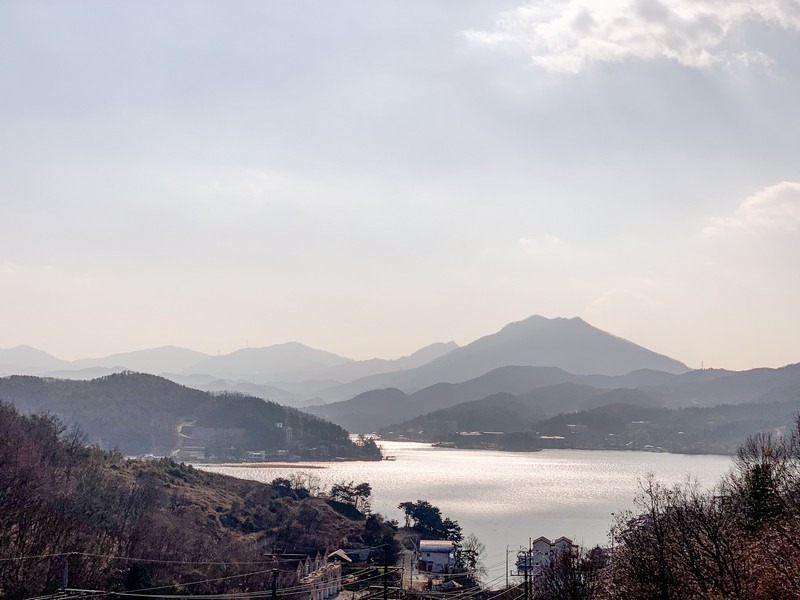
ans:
(260, 465)
(588, 449)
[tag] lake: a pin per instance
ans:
(507, 497)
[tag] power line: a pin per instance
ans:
(161, 587)
(35, 557)
(277, 558)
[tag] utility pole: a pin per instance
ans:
(411, 572)
(386, 572)
(525, 574)
(274, 584)
(524, 569)
(525, 564)
(507, 566)
(65, 574)
(530, 569)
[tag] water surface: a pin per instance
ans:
(507, 497)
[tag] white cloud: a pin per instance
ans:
(775, 208)
(567, 35)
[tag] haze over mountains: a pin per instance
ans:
(287, 373)
(295, 372)
(529, 370)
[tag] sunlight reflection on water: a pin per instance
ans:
(504, 497)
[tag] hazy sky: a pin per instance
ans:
(369, 177)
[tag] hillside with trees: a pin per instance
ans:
(621, 420)
(511, 413)
(112, 523)
(138, 414)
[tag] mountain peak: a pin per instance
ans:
(24, 349)
(27, 359)
(570, 343)
(539, 321)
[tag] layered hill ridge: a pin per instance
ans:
(511, 413)
(379, 409)
(572, 415)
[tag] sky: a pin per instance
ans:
(368, 177)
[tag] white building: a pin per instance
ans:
(543, 552)
(436, 556)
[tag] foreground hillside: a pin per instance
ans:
(119, 524)
(140, 414)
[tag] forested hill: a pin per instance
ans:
(139, 414)
(123, 525)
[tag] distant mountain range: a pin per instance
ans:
(528, 371)
(300, 376)
(291, 373)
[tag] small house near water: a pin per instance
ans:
(436, 556)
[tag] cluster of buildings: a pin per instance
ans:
(226, 444)
(321, 576)
(438, 556)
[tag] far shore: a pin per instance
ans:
(281, 465)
